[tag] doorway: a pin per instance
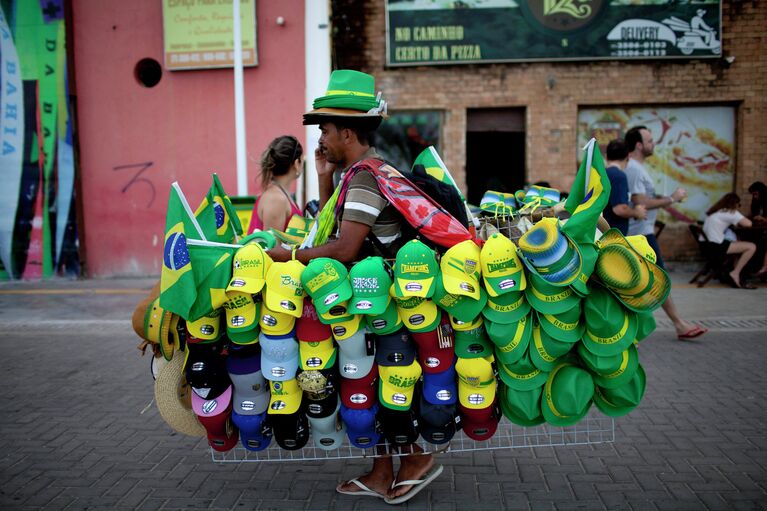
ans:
(495, 151)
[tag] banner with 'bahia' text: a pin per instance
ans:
(423, 32)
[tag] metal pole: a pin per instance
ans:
(239, 106)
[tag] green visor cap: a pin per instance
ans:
(522, 374)
(522, 407)
(370, 282)
(545, 351)
(473, 343)
(506, 308)
(610, 327)
(566, 326)
(620, 401)
(463, 308)
(510, 340)
(549, 299)
(567, 395)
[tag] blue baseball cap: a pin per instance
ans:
(255, 432)
(361, 426)
(440, 388)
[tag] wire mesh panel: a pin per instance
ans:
(592, 429)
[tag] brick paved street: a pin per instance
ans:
(79, 430)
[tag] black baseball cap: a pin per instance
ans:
(437, 424)
(399, 426)
(395, 349)
(205, 369)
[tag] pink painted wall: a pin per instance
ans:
(184, 125)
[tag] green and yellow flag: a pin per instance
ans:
(588, 196)
(435, 167)
(217, 216)
(212, 266)
(178, 290)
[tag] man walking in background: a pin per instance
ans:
(618, 210)
(640, 145)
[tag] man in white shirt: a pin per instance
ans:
(640, 144)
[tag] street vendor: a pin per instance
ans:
(347, 117)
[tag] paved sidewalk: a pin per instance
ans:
(79, 430)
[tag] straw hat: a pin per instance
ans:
(173, 396)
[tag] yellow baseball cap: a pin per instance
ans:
(249, 269)
(241, 312)
(502, 270)
(346, 328)
(207, 328)
(461, 269)
(418, 314)
(397, 384)
(275, 323)
(337, 314)
(317, 355)
(476, 382)
(284, 292)
(464, 326)
(286, 397)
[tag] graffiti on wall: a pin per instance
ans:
(38, 231)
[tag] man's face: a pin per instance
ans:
(648, 144)
(331, 142)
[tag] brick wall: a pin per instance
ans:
(360, 43)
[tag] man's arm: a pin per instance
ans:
(324, 176)
(626, 211)
(343, 249)
(658, 202)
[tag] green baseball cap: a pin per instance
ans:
(547, 298)
(522, 374)
(645, 325)
(511, 341)
(370, 282)
(620, 401)
(502, 270)
(418, 314)
(462, 307)
(610, 327)
(326, 281)
(506, 308)
(462, 326)
(545, 351)
(567, 326)
(473, 343)
(415, 271)
(522, 407)
(385, 323)
(567, 394)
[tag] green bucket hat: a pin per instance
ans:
(545, 351)
(350, 94)
(463, 308)
(549, 299)
(386, 323)
(522, 407)
(502, 270)
(551, 254)
(370, 281)
(506, 308)
(567, 326)
(415, 271)
(610, 327)
(473, 343)
(510, 340)
(645, 325)
(620, 401)
(567, 395)
(522, 374)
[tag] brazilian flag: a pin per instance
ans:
(588, 198)
(213, 271)
(217, 216)
(433, 165)
(177, 280)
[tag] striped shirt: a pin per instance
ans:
(366, 204)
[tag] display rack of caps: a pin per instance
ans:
(425, 346)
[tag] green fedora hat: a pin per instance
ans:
(473, 343)
(550, 254)
(549, 299)
(589, 255)
(612, 371)
(522, 374)
(506, 308)
(350, 95)
(522, 407)
(567, 394)
(620, 401)
(510, 340)
(545, 351)
(610, 327)
(567, 326)
(645, 325)
(461, 307)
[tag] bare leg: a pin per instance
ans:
(411, 467)
(379, 479)
(681, 326)
(746, 249)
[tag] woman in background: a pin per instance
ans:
(720, 217)
(281, 165)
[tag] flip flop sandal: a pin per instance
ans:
(417, 485)
(692, 333)
(364, 490)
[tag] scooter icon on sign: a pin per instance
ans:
(696, 35)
